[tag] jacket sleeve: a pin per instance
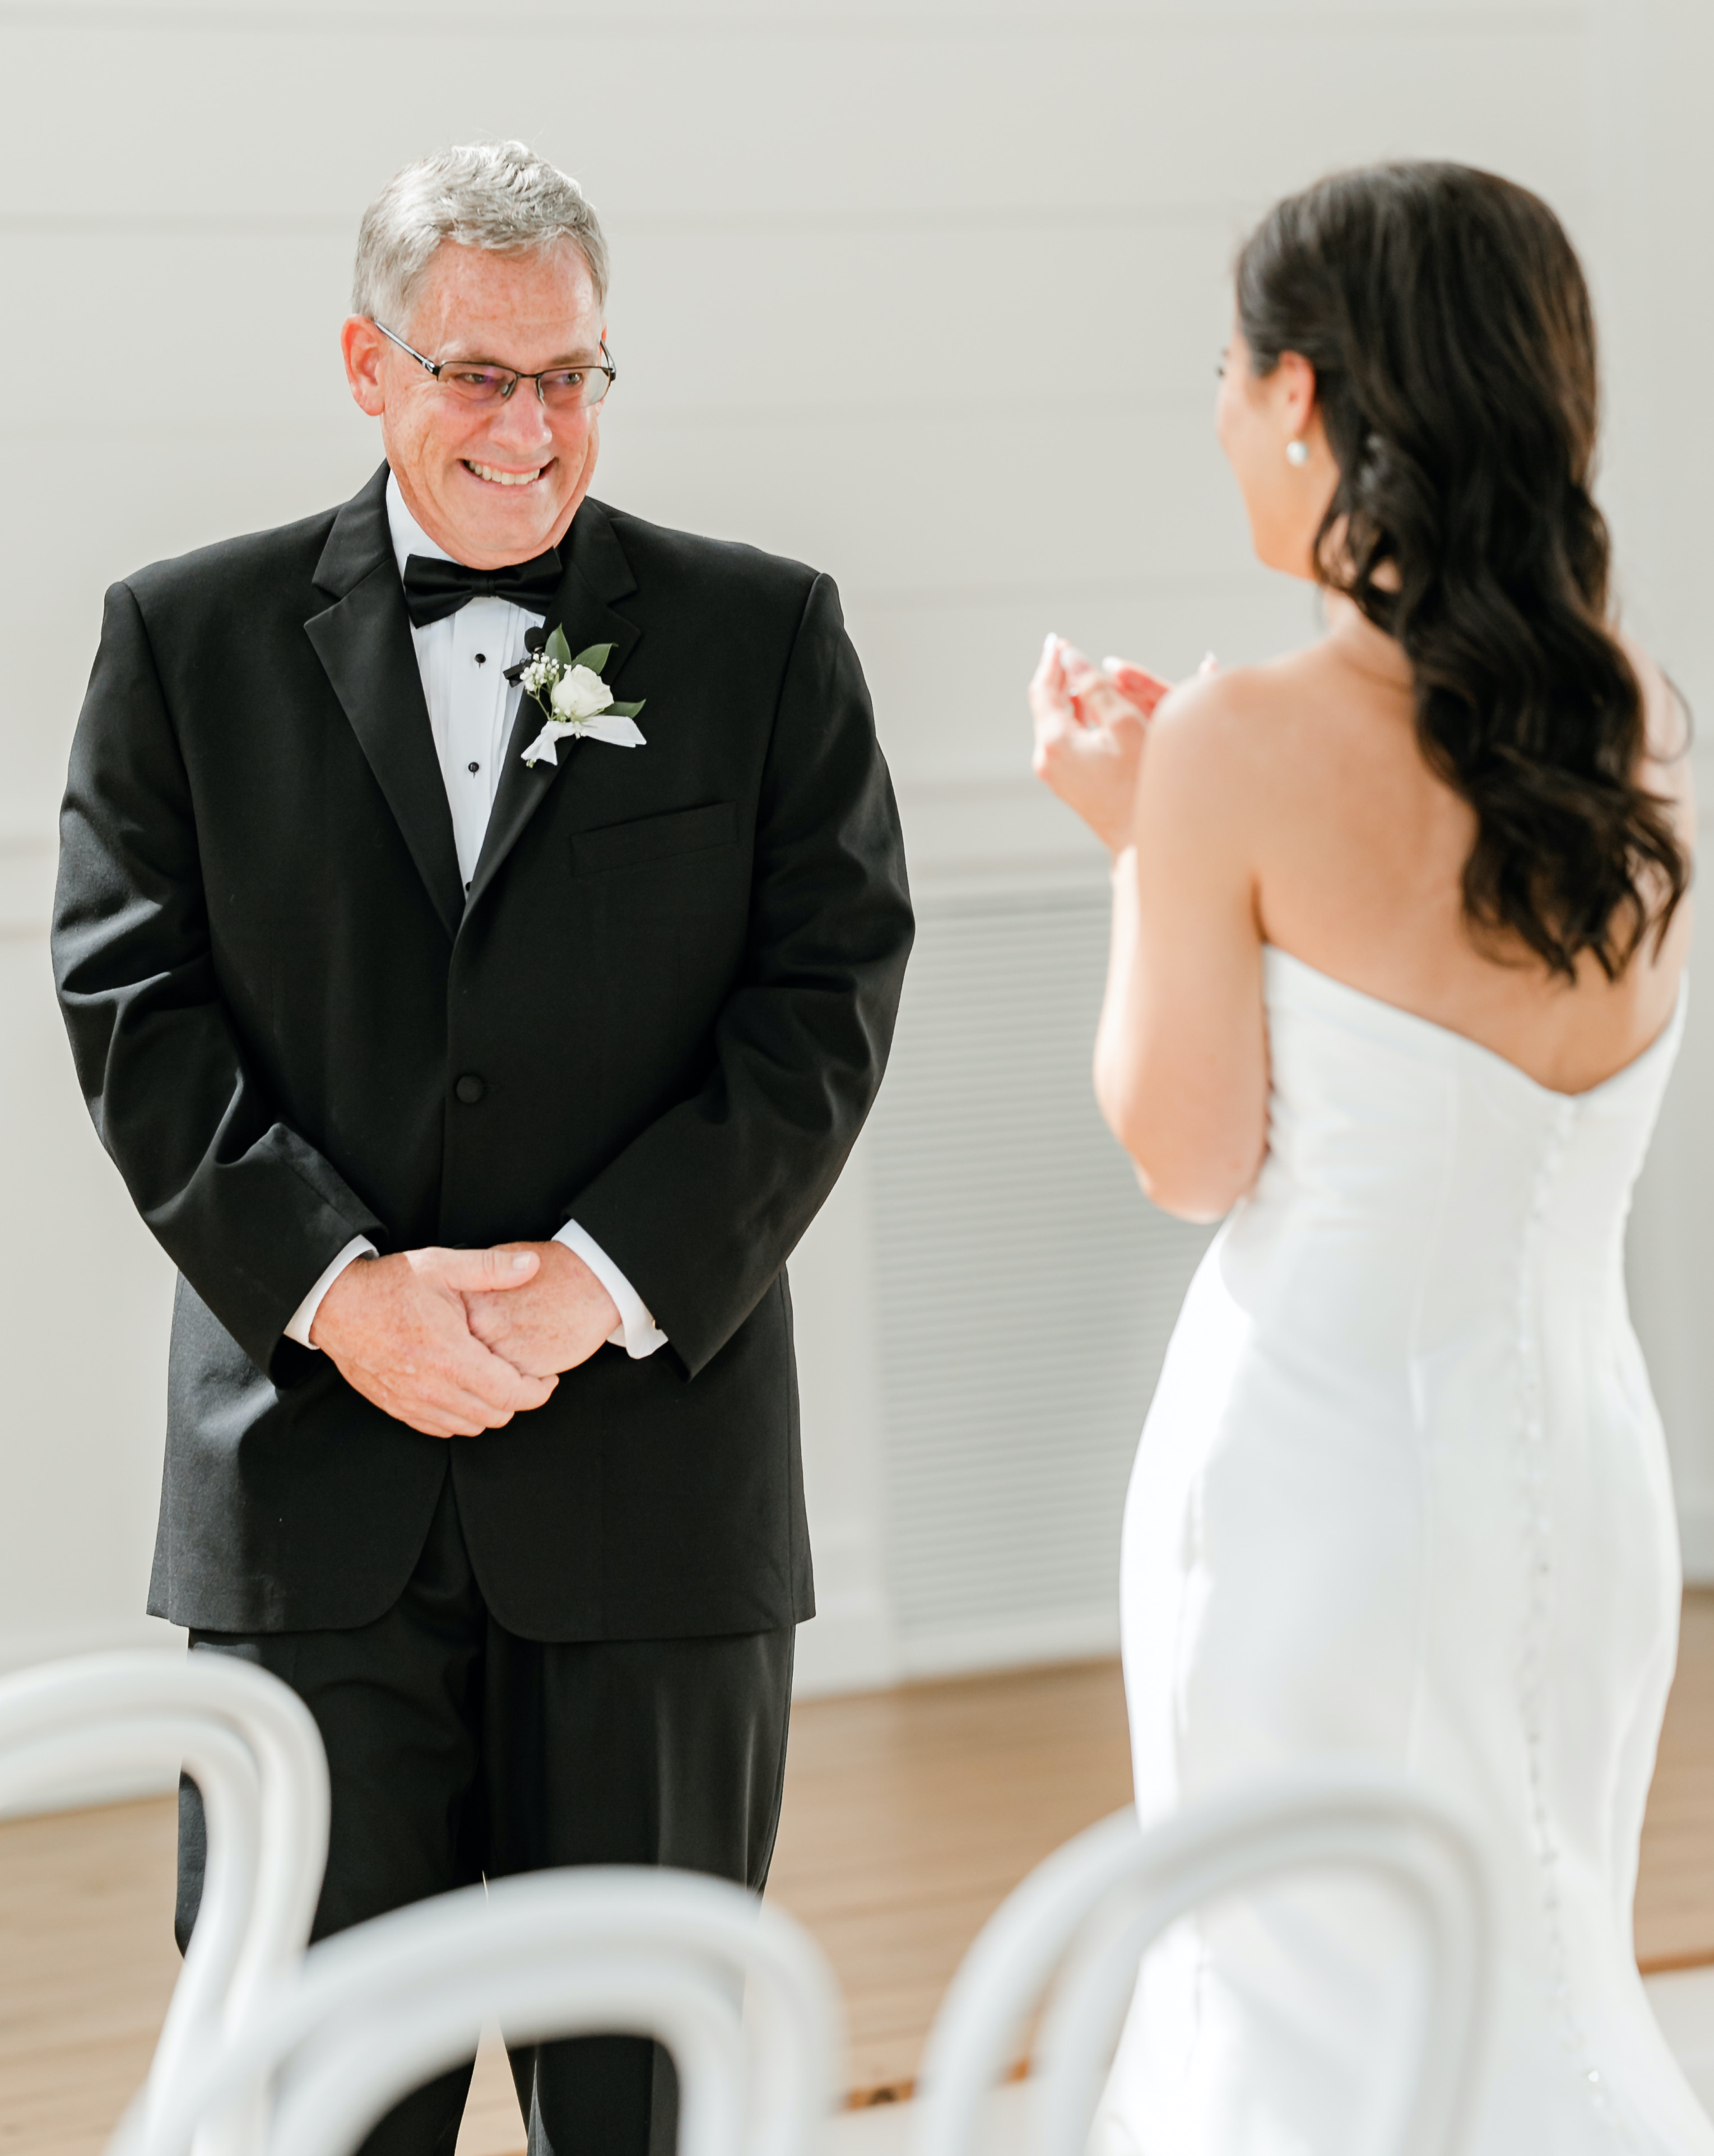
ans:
(704, 1207)
(249, 1212)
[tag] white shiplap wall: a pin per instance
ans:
(926, 295)
(1026, 1289)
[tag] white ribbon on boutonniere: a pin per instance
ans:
(576, 701)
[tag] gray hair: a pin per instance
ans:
(496, 195)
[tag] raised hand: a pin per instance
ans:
(1089, 734)
(556, 1321)
(1144, 689)
(398, 1329)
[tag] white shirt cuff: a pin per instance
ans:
(636, 1332)
(297, 1325)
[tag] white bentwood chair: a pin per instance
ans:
(1089, 1914)
(376, 2011)
(254, 1752)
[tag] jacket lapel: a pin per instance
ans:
(596, 574)
(363, 640)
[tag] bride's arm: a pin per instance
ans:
(1181, 1057)
(1169, 782)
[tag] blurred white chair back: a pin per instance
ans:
(737, 1992)
(254, 1752)
(1089, 1914)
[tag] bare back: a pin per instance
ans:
(1290, 803)
(1359, 851)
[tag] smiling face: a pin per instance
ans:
(498, 484)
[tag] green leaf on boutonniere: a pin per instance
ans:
(595, 658)
(557, 649)
(625, 710)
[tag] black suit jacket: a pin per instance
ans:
(675, 977)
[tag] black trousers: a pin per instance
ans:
(458, 1751)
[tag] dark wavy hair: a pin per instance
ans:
(1448, 322)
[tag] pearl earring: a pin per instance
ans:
(1297, 452)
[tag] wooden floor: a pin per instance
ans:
(911, 1814)
(1676, 1887)
(908, 1815)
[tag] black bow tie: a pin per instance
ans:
(434, 589)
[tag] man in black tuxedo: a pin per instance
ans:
(479, 1102)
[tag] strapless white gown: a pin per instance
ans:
(1402, 1497)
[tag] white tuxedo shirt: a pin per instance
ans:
(472, 708)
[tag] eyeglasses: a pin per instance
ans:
(476, 382)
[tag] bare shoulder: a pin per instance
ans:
(1212, 716)
(1236, 731)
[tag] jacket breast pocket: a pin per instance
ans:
(654, 838)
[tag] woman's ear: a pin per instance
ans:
(1293, 384)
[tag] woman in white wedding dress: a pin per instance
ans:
(1400, 930)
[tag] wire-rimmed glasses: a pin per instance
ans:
(571, 387)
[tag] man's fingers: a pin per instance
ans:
(491, 1379)
(434, 1416)
(434, 1421)
(476, 1407)
(481, 1272)
(416, 1358)
(451, 1409)
(482, 1414)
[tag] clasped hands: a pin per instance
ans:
(1090, 725)
(457, 1341)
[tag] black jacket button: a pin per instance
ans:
(469, 1088)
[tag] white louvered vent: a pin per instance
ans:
(1026, 1290)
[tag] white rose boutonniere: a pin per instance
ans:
(574, 700)
(582, 694)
